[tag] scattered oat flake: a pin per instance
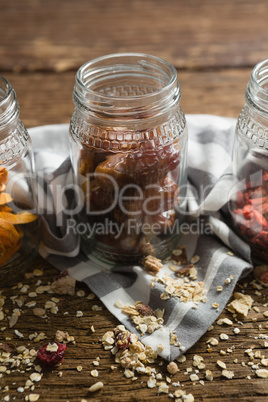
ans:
(79, 368)
(52, 347)
(227, 374)
(194, 259)
(39, 312)
(213, 341)
(163, 388)
(96, 387)
(19, 334)
(151, 383)
(226, 321)
(221, 364)
(79, 313)
(219, 288)
(34, 397)
(224, 337)
(35, 377)
(96, 308)
(80, 293)
(62, 336)
(49, 304)
(263, 373)
(194, 377)
(118, 304)
(128, 373)
(209, 375)
(13, 320)
(215, 305)
(94, 373)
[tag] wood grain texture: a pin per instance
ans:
(63, 34)
(73, 385)
(213, 45)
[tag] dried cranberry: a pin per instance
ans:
(264, 277)
(123, 340)
(61, 275)
(49, 358)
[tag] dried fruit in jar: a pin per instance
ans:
(142, 167)
(250, 214)
(10, 233)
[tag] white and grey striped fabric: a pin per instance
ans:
(210, 181)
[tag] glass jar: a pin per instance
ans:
(19, 223)
(249, 203)
(128, 148)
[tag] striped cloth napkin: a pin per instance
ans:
(222, 253)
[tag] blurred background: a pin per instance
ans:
(213, 44)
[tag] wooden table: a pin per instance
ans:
(214, 45)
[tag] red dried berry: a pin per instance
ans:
(49, 358)
(264, 277)
(123, 340)
(61, 275)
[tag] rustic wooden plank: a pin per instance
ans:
(61, 35)
(47, 99)
(73, 385)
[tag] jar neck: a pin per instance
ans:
(127, 87)
(257, 90)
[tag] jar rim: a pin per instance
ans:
(5, 89)
(257, 89)
(259, 75)
(9, 107)
(119, 56)
(123, 66)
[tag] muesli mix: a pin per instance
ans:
(37, 353)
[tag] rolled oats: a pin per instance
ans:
(227, 374)
(263, 373)
(96, 387)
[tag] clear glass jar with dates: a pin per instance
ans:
(128, 139)
(249, 203)
(19, 222)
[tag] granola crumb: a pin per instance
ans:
(241, 304)
(172, 368)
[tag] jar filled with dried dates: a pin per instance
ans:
(249, 202)
(128, 149)
(19, 223)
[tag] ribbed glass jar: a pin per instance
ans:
(249, 204)
(128, 147)
(19, 223)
